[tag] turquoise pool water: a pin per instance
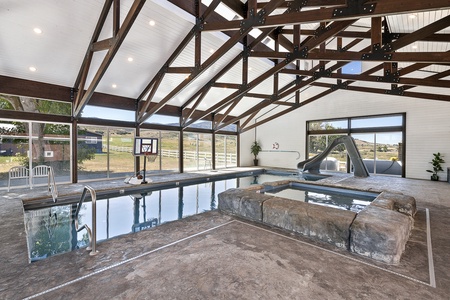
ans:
(51, 230)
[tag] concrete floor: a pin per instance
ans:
(216, 256)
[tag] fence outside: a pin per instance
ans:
(229, 158)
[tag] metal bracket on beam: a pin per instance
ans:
(72, 94)
(396, 91)
(389, 77)
(252, 20)
(355, 7)
(339, 86)
(387, 38)
(321, 30)
(378, 53)
(296, 6)
(296, 54)
(322, 73)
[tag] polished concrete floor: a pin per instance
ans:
(216, 256)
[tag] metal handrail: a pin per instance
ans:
(52, 184)
(91, 233)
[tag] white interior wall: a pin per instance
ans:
(427, 129)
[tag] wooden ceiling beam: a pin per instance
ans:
(337, 26)
(285, 91)
(247, 26)
(331, 90)
(312, 3)
(437, 37)
(124, 29)
(378, 8)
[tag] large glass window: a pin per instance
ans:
(168, 157)
(14, 149)
(381, 152)
(336, 160)
(34, 105)
(105, 152)
(51, 147)
(197, 154)
(45, 143)
(379, 140)
(108, 113)
(226, 151)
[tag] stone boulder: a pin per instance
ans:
(383, 203)
(402, 203)
(380, 234)
(244, 203)
(330, 225)
(230, 200)
(287, 214)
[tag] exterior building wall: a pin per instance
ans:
(427, 129)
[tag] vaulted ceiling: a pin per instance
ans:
(226, 61)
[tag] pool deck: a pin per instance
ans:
(216, 256)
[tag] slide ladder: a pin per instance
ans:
(312, 165)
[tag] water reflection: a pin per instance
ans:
(52, 230)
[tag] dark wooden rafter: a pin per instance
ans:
(290, 88)
(331, 89)
(431, 81)
(288, 58)
(246, 26)
(438, 37)
(384, 48)
(265, 32)
(375, 9)
(82, 74)
(117, 42)
(426, 57)
(376, 44)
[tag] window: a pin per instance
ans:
(30, 144)
(379, 140)
(226, 151)
(197, 154)
(105, 152)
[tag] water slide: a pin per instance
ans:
(312, 164)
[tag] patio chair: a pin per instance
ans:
(39, 171)
(18, 173)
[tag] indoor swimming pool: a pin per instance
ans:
(322, 195)
(51, 230)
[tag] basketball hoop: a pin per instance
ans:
(151, 157)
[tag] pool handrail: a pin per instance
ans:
(52, 184)
(92, 234)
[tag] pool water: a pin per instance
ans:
(327, 196)
(51, 230)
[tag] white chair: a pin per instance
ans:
(18, 173)
(39, 171)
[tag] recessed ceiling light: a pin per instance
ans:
(412, 16)
(37, 30)
(414, 46)
(130, 59)
(211, 50)
(249, 68)
(32, 69)
(114, 85)
(152, 23)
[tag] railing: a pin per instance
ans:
(52, 184)
(91, 233)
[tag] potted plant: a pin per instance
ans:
(436, 162)
(255, 149)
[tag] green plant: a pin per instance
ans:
(255, 149)
(437, 167)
